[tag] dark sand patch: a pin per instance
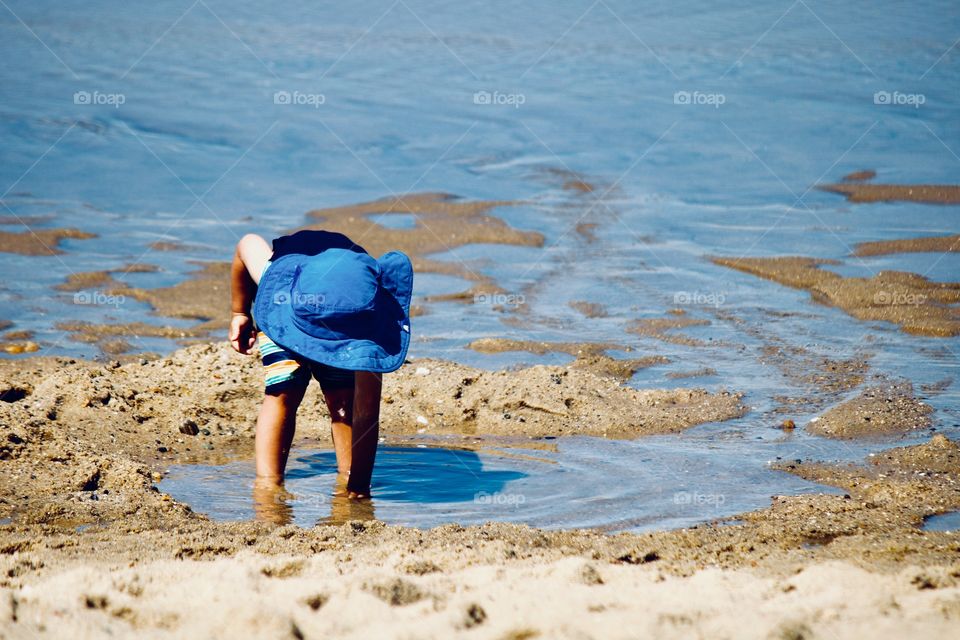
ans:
(590, 356)
(204, 297)
(24, 220)
(829, 376)
(117, 339)
(167, 245)
(586, 230)
(104, 279)
(860, 176)
(935, 244)
(705, 372)
(915, 303)
(658, 328)
(570, 180)
(41, 242)
(884, 410)
(928, 193)
(589, 309)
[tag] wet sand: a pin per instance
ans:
(935, 244)
(591, 356)
(441, 222)
(918, 305)
(663, 328)
(877, 411)
(927, 193)
(90, 546)
(39, 242)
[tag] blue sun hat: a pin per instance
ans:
(335, 304)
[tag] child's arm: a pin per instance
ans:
(249, 260)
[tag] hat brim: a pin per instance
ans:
(380, 347)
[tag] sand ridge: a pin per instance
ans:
(918, 305)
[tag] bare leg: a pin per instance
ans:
(340, 405)
(275, 428)
(366, 432)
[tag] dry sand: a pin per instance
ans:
(90, 548)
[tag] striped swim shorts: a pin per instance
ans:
(284, 369)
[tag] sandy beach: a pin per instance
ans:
(91, 548)
(677, 338)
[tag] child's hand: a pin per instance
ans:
(242, 335)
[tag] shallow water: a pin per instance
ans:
(201, 152)
(943, 522)
(645, 484)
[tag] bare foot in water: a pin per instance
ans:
(340, 485)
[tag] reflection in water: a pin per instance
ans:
(407, 475)
(949, 521)
(344, 509)
(271, 502)
(661, 482)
